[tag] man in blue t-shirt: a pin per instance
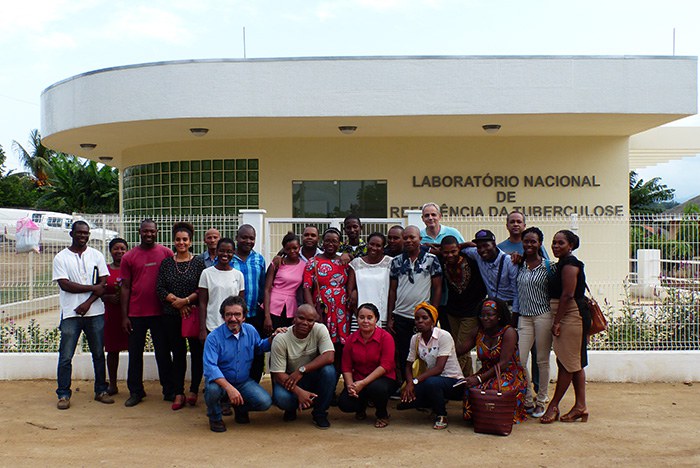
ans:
(515, 224)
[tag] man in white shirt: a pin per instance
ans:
(81, 273)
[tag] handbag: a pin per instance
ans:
(493, 410)
(190, 324)
(598, 322)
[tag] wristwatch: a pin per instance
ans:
(415, 381)
(302, 369)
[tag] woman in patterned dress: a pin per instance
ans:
(325, 280)
(496, 343)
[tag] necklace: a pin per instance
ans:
(188, 262)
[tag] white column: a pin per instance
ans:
(255, 218)
(648, 270)
(414, 218)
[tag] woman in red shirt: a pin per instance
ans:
(368, 366)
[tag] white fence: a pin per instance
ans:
(657, 311)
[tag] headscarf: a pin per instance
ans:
(429, 308)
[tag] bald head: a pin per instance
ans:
(211, 238)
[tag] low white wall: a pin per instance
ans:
(604, 366)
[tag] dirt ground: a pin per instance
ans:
(630, 425)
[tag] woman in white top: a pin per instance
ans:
(368, 279)
(216, 284)
(434, 385)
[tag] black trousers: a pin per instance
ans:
(404, 329)
(258, 365)
(137, 342)
(378, 392)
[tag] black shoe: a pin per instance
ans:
(242, 417)
(217, 426)
(133, 400)
(321, 422)
(289, 415)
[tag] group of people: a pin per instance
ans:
(395, 315)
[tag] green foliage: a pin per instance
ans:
(648, 197)
(80, 186)
(32, 339)
(37, 159)
(16, 190)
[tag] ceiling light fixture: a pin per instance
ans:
(105, 159)
(347, 129)
(88, 146)
(199, 131)
(491, 128)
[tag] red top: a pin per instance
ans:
(141, 266)
(362, 358)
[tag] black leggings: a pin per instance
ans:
(378, 392)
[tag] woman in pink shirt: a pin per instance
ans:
(281, 285)
(369, 369)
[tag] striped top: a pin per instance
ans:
(533, 288)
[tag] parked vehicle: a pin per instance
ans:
(55, 227)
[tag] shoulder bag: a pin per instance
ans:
(493, 410)
(190, 324)
(598, 322)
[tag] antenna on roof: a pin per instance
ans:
(245, 56)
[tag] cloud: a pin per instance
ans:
(146, 22)
(55, 40)
(38, 15)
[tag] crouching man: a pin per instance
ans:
(301, 364)
(228, 355)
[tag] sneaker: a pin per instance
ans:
(289, 415)
(133, 400)
(63, 403)
(539, 411)
(321, 422)
(104, 398)
(217, 426)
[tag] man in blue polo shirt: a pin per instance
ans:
(252, 265)
(435, 232)
(228, 356)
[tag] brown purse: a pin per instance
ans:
(493, 410)
(598, 321)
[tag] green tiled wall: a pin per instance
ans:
(217, 186)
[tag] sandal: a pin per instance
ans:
(381, 423)
(440, 423)
(550, 418)
(574, 415)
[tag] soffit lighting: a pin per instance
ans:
(88, 146)
(347, 129)
(105, 159)
(491, 128)
(199, 131)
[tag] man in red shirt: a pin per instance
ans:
(142, 311)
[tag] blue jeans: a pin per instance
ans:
(70, 333)
(321, 382)
(255, 398)
(434, 392)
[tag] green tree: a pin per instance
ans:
(37, 159)
(16, 190)
(80, 186)
(648, 197)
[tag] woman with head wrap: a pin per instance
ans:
(433, 384)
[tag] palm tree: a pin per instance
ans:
(37, 160)
(647, 197)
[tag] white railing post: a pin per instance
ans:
(255, 218)
(648, 271)
(574, 222)
(413, 218)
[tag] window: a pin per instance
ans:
(339, 198)
(54, 222)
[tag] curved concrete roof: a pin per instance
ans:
(123, 107)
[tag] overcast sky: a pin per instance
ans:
(45, 41)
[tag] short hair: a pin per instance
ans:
(396, 226)
(332, 230)
(449, 240)
(535, 231)
(147, 221)
(226, 240)
(371, 307)
(289, 237)
(501, 309)
(515, 212)
(350, 218)
(233, 301)
(245, 226)
(312, 226)
(426, 205)
(377, 234)
(183, 226)
(79, 222)
(571, 238)
(115, 241)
